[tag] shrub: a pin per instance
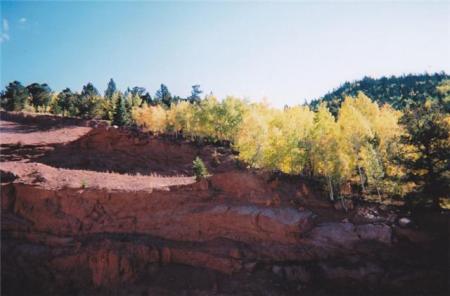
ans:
(199, 168)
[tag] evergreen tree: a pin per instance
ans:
(147, 98)
(89, 90)
(15, 97)
(110, 89)
(399, 92)
(40, 95)
(195, 94)
(138, 91)
(67, 101)
(427, 152)
(120, 112)
(89, 102)
(163, 96)
(200, 170)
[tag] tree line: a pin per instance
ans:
(387, 151)
(399, 92)
(89, 103)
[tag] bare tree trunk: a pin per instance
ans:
(343, 205)
(378, 191)
(331, 188)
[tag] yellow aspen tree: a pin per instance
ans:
(328, 157)
(356, 131)
(150, 118)
(288, 130)
(253, 135)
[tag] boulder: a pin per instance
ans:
(297, 274)
(360, 272)
(404, 222)
(411, 235)
(375, 232)
(278, 270)
(334, 235)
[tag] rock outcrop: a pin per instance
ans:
(109, 238)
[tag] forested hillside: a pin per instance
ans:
(399, 92)
(357, 140)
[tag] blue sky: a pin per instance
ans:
(286, 52)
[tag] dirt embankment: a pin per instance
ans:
(76, 221)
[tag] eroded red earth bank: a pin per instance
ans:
(89, 209)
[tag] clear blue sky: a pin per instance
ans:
(286, 52)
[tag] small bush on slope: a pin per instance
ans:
(199, 168)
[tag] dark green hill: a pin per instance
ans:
(397, 91)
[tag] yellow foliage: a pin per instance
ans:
(180, 118)
(293, 140)
(252, 137)
(370, 136)
(288, 132)
(329, 156)
(150, 118)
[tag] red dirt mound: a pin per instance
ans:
(121, 151)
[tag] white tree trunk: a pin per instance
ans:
(331, 188)
(343, 205)
(378, 191)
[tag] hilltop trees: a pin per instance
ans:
(15, 97)
(361, 143)
(89, 90)
(218, 121)
(179, 119)
(67, 102)
(211, 120)
(120, 113)
(110, 89)
(150, 118)
(88, 103)
(195, 94)
(443, 90)
(40, 95)
(163, 95)
(399, 92)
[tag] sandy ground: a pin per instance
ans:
(22, 145)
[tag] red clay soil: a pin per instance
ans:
(13, 133)
(55, 178)
(78, 220)
(117, 150)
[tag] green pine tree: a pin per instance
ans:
(427, 161)
(120, 112)
(199, 168)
